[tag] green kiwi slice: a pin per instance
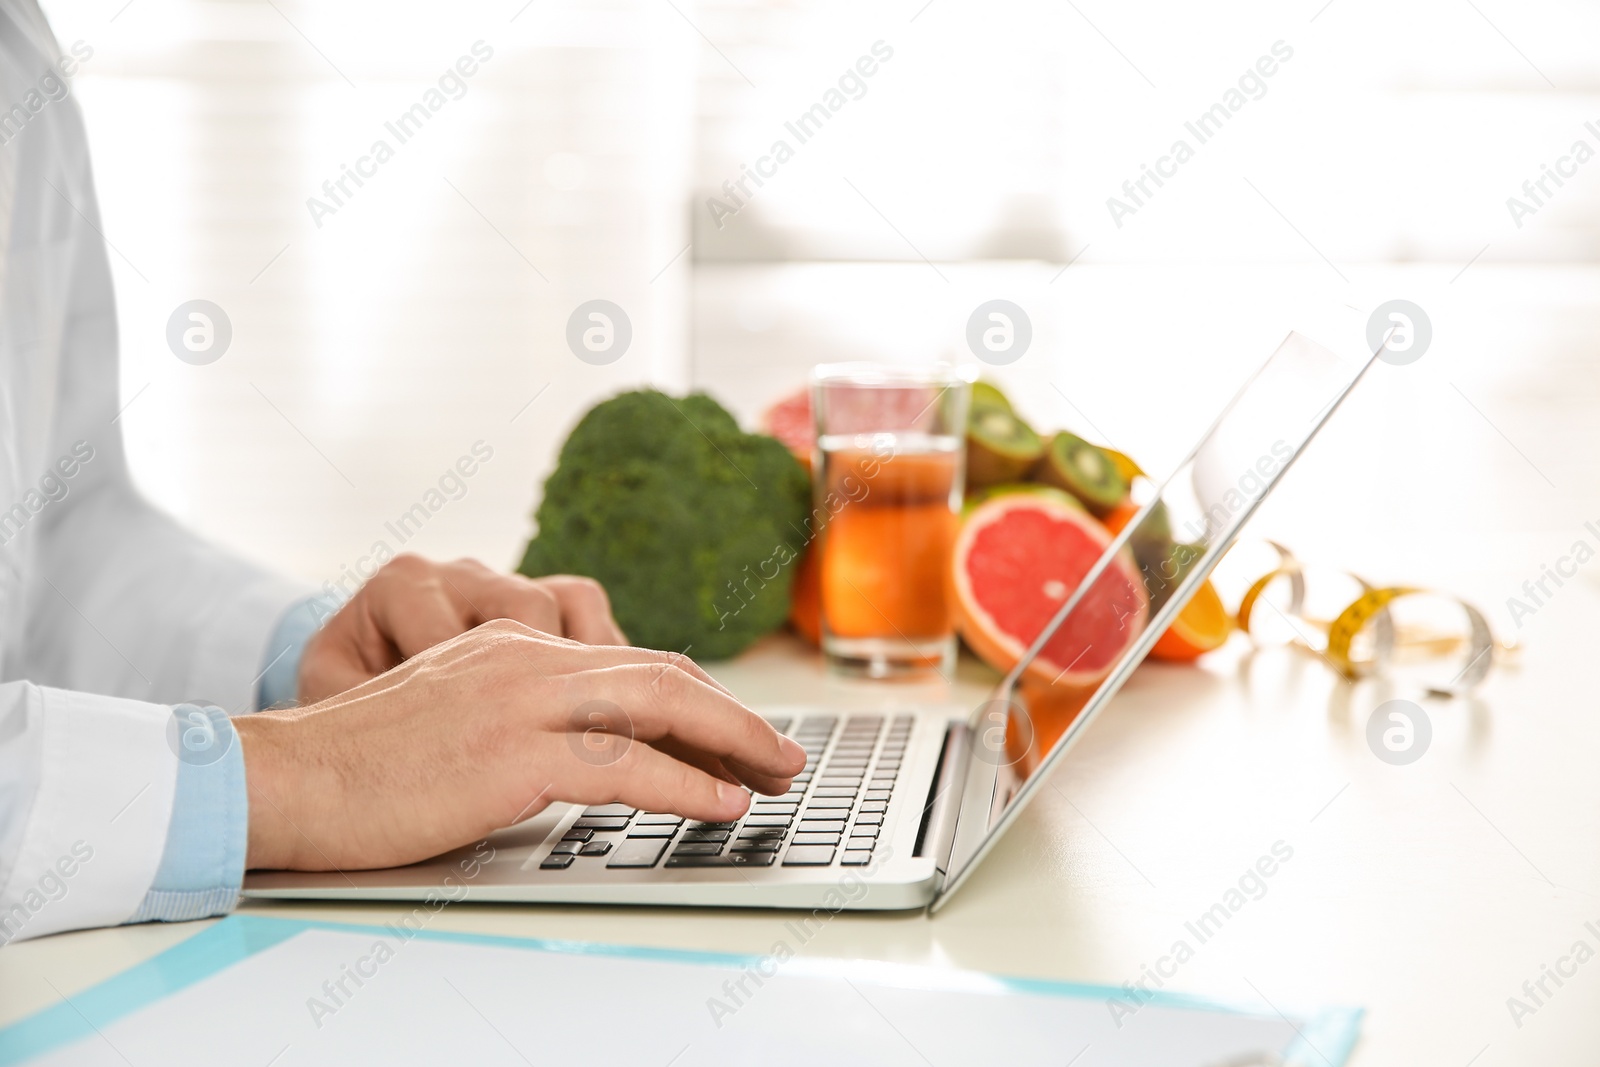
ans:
(1085, 471)
(988, 395)
(1001, 447)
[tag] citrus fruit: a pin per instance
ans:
(1018, 557)
(805, 597)
(1115, 519)
(1202, 625)
(1051, 710)
(1125, 464)
(988, 493)
(789, 420)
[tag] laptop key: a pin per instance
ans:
(808, 856)
(658, 818)
(856, 857)
(756, 844)
(834, 791)
(874, 805)
(608, 823)
(816, 839)
(877, 794)
(638, 852)
(731, 859)
(698, 848)
(558, 862)
(864, 831)
(595, 848)
(837, 802)
(676, 860)
(869, 819)
(577, 835)
(652, 831)
(764, 807)
(769, 820)
(751, 859)
(609, 809)
(567, 848)
(706, 835)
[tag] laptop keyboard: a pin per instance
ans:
(831, 815)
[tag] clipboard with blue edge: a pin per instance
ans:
(251, 990)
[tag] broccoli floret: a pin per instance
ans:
(691, 524)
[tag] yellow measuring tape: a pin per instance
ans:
(1371, 609)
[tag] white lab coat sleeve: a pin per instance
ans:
(120, 611)
(86, 793)
(126, 601)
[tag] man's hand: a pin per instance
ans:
(412, 604)
(377, 776)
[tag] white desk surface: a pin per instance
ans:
(1426, 893)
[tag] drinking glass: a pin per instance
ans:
(889, 476)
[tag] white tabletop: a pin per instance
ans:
(1426, 894)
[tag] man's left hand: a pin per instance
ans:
(412, 604)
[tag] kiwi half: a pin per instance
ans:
(988, 395)
(1001, 447)
(1082, 469)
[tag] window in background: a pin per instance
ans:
(373, 345)
(1326, 142)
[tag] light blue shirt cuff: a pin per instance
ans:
(280, 678)
(202, 866)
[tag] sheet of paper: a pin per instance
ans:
(270, 992)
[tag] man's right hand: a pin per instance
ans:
(487, 729)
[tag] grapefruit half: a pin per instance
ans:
(789, 420)
(1018, 558)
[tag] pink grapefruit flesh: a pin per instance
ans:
(1017, 560)
(789, 420)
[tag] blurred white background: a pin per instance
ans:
(429, 312)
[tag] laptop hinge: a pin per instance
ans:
(943, 805)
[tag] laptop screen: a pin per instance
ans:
(1124, 602)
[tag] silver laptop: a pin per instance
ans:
(894, 809)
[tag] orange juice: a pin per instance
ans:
(886, 546)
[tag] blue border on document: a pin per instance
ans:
(1327, 1035)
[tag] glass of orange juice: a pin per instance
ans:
(888, 483)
